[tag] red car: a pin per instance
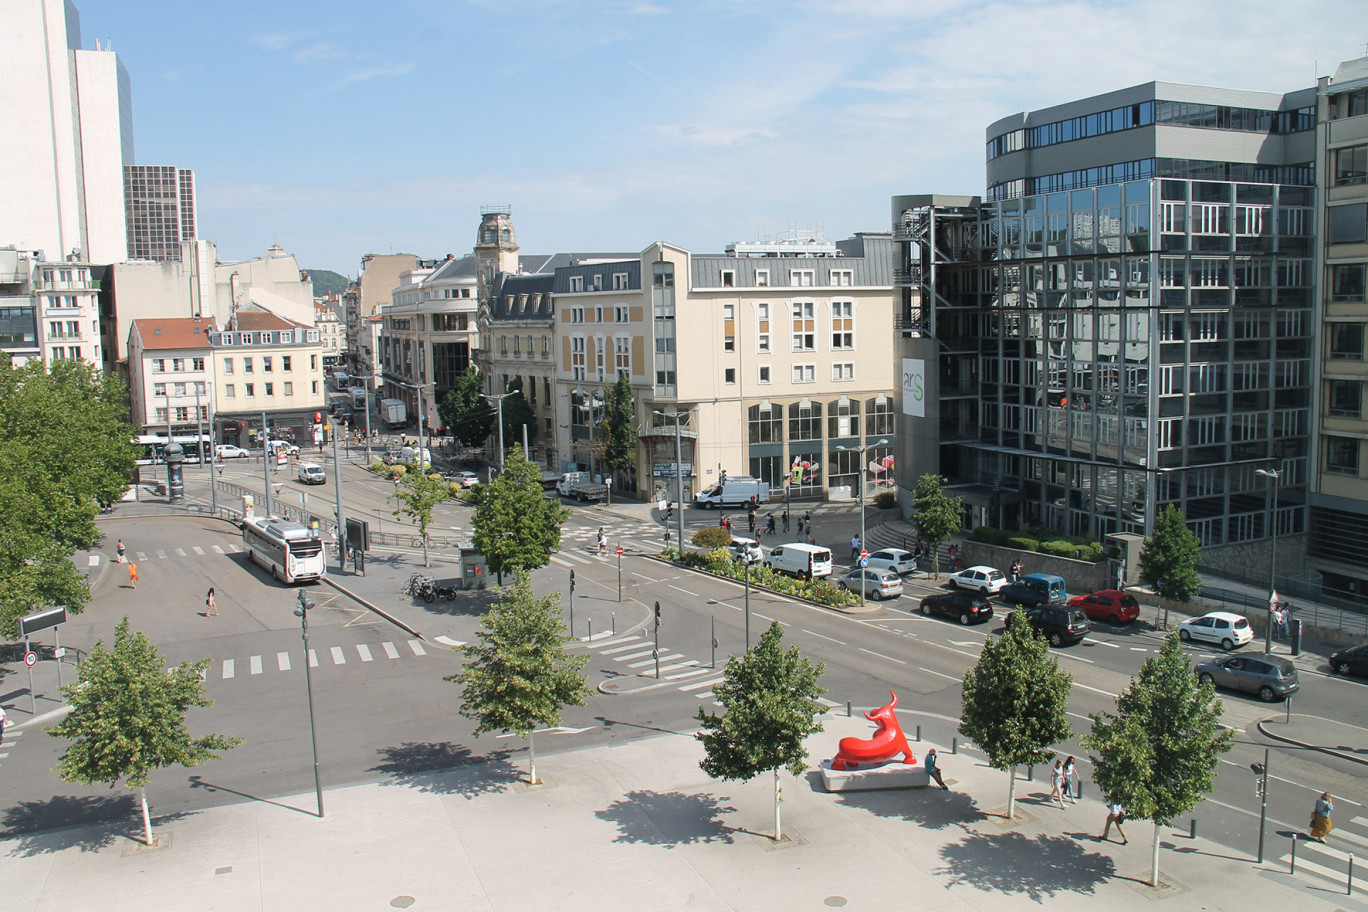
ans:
(1108, 605)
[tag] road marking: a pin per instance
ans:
(664, 658)
(635, 655)
(337, 656)
(823, 636)
(93, 561)
(283, 661)
(390, 650)
(691, 673)
(218, 549)
(142, 556)
(448, 641)
(1076, 658)
(197, 550)
(557, 559)
(685, 591)
(577, 559)
(256, 665)
(648, 579)
(1096, 690)
(235, 549)
(632, 645)
(313, 659)
(364, 652)
(417, 648)
(940, 675)
(1139, 649)
(882, 656)
(227, 669)
(966, 643)
(161, 555)
(1105, 643)
(181, 552)
(689, 664)
(697, 684)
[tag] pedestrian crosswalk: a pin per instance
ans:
(227, 669)
(1327, 864)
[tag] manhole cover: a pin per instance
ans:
(835, 901)
(402, 902)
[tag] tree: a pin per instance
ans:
(65, 453)
(419, 492)
(769, 704)
(466, 416)
(619, 427)
(518, 676)
(1015, 701)
(517, 413)
(936, 515)
(127, 717)
(517, 527)
(1157, 754)
(1168, 558)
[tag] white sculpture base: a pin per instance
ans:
(891, 775)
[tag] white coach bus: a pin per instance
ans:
(289, 550)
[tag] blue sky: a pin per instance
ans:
(342, 128)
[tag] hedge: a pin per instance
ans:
(719, 562)
(711, 537)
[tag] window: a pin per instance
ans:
(842, 277)
(285, 363)
(1346, 399)
(270, 389)
(762, 278)
(250, 390)
(197, 364)
(621, 314)
(577, 283)
(1342, 455)
(764, 374)
(158, 365)
(229, 391)
(598, 314)
(804, 373)
(729, 327)
(178, 364)
(619, 281)
(289, 388)
(1349, 224)
(804, 327)
(622, 355)
(728, 278)
(178, 389)
(842, 324)
(182, 413)
(729, 376)
(598, 281)
(579, 364)
(313, 363)
(762, 327)
(159, 389)
(315, 387)
(845, 371)
(1347, 282)
(1351, 165)
(266, 364)
(766, 423)
(246, 365)
(801, 277)
(1346, 341)
(161, 416)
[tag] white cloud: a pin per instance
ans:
(398, 69)
(321, 50)
(271, 41)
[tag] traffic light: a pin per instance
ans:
(572, 580)
(657, 614)
(318, 417)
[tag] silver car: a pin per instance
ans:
(877, 584)
(1271, 677)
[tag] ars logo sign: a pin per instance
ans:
(914, 387)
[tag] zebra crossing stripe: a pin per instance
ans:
(665, 658)
(632, 655)
(218, 549)
(632, 645)
(256, 665)
(337, 656)
(313, 659)
(227, 669)
(694, 685)
(1330, 874)
(198, 550)
(161, 555)
(417, 648)
(283, 661)
(234, 548)
(390, 650)
(363, 651)
(93, 560)
(142, 556)
(691, 673)
(181, 552)
(677, 665)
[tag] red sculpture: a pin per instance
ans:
(887, 743)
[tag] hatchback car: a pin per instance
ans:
(1221, 627)
(1270, 677)
(898, 560)
(746, 550)
(465, 479)
(984, 580)
(877, 584)
(1350, 661)
(228, 451)
(963, 607)
(1108, 605)
(311, 473)
(1060, 624)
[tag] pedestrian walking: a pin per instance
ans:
(933, 770)
(750, 520)
(1057, 783)
(1070, 778)
(1321, 824)
(133, 574)
(726, 525)
(1285, 620)
(769, 523)
(602, 541)
(3, 720)
(854, 546)
(1116, 814)
(807, 519)
(800, 527)
(722, 521)
(210, 606)
(786, 522)
(120, 549)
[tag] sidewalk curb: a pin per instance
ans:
(1315, 747)
(328, 580)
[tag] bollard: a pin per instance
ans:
(1030, 773)
(918, 733)
(1192, 828)
(1350, 890)
(954, 745)
(848, 709)
(591, 629)
(1294, 854)
(1288, 708)
(613, 618)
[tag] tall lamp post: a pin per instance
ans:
(1274, 476)
(422, 440)
(679, 476)
(497, 399)
(882, 441)
(305, 603)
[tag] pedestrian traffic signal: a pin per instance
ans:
(572, 580)
(657, 614)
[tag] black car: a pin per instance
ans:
(1352, 661)
(1058, 622)
(963, 606)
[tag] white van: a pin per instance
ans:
(800, 559)
(410, 454)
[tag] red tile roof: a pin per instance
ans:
(173, 333)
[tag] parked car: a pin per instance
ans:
(228, 451)
(1060, 624)
(311, 473)
(896, 559)
(1034, 589)
(746, 550)
(963, 607)
(1350, 661)
(1221, 627)
(465, 479)
(1270, 677)
(877, 584)
(276, 447)
(984, 580)
(1108, 605)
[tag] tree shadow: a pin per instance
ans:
(468, 603)
(668, 819)
(929, 808)
(1038, 867)
(443, 768)
(86, 823)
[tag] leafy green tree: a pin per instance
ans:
(466, 416)
(1015, 702)
(418, 493)
(517, 527)
(127, 717)
(769, 704)
(517, 413)
(936, 515)
(1168, 558)
(619, 427)
(1157, 754)
(65, 453)
(518, 676)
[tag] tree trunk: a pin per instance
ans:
(531, 758)
(1011, 793)
(778, 800)
(147, 819)
(1154, 859)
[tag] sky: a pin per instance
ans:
(342, 128)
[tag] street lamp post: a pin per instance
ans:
(1274, 476)
(498, 399)
(1261, 786)
(679, 477)
(305, 603)
(882, 441)
(418, 397)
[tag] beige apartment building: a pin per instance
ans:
(264, 363)
(171, 379)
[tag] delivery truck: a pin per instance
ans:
(394, 412)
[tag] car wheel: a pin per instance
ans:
(965, 619)
(1114, 620)
(1205, 678)
(1227, 644)
(1056, 640)
(1342, 668)
(984, 592)
(926, 610)
(953, 584)
(1266, 694)
(1184, 635)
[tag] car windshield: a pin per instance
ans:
(1241, 624)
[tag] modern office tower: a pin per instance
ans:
(1338, 546)
(68, 133)
(1126, 320)
(159, 204)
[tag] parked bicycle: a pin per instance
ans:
(427, 588)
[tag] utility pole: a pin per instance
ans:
(882, 441)
(679, 476)
(266, 464)
(341, 519)
(497, 399)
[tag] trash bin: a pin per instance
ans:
(1296, 636)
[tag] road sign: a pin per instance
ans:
(864, 562)
(863, 554)
(30, 659)
(42, 620)
(620, 550)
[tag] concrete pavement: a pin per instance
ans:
(641, 827)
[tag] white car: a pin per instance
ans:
(311, 473)
(283, 446)
(228, 451)
(1221, 627)
(466, 479)
(898, 560)
(746, 550)
(987, 580)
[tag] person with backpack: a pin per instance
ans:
(1116, 814)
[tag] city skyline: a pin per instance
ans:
(610, 126)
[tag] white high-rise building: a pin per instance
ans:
(68, 133)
